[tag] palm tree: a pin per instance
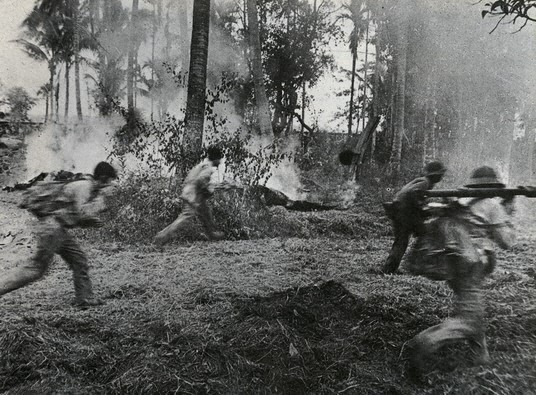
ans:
(44, 91)
(401, 64)
(42, 43)
(263, 108)
(355, 13)
(132, 50)
(68, 11)
(197, 81)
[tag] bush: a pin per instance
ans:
(143, 205)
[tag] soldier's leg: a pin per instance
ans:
(205, 215)
(71, 252)
(432, 339)
(400, 244)
(48, 241)
(166, 234)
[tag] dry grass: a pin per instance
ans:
(283, 315)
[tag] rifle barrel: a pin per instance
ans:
(481, 192)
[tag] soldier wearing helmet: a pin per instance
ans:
(488, 223)
(405, 211)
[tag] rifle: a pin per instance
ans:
(527, 191)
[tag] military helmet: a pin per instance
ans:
(435, 167)
(484, 177)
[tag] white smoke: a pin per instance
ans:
(75, 147)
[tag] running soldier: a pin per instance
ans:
(486, 221)
(406, 213)
(60, 206)
(197, 189)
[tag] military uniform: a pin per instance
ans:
(406, 214)
(85, 200)
(488, 224)
(197, 189)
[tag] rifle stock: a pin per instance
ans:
(482, 192)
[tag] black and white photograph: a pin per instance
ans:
(268, 197)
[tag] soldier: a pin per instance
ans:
(487, 221)
(75, 205)
(196, 191)
(405, 211)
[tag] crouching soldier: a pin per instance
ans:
(60, 206)
(405, 212)
(197, 189)
(464, 261)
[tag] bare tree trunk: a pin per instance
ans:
(363, 112)
(67, 69)
(76, 43)
(47, 97)
(376, 90)
(52, 69)
(131, 58)
(396, 153)
(197, 81)
(263, 107)
(183, 34)
(58, 98)
(352, 90)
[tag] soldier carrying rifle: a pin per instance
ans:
(405, 211)
(458, 247)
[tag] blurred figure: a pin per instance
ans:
(405, 212)
(488, 223)
(196, 191)
(60, 206)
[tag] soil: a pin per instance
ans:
(281, 315)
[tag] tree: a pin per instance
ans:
(197, 80)
(516, 9)
(355, 13)
(132, 50)
(401, 64)
(20, 103)
(109, 22)
(263, 108)
(294, 53)
(68, 11)
(44, 91)
(43, 42)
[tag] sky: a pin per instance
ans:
(16, 68)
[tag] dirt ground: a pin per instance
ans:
(279, 315)
(258, 316)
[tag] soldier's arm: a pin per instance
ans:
(502, 229)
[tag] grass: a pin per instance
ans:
(282, 315)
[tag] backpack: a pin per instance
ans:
(446, 249)
(46, 198)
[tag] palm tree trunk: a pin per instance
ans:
(76, 43)
(263, 107)
(47, 97)
(363, 112)
(131, 58)
(197, 82)
(52, 69)
(183, 34)
(376, 90)
(352, 90)
(401, 64)
(67, 70)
